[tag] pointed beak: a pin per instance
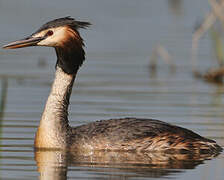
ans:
(29, 41)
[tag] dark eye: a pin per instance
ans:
(49, 33)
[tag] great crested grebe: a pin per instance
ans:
(126, 134)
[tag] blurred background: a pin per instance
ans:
(153, 59)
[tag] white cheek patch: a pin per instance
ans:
(40, 34)
(59, 34)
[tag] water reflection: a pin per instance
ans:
(176, 6)
(217, 96)
(54, 164)
(4, 87)
(51, 164)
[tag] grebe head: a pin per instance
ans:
(54, 34)
(63, 35)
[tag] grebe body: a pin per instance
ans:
(127, 134)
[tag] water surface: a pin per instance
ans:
(114, 81)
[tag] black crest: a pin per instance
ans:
(65, 21)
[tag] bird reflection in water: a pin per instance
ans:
(53, 164)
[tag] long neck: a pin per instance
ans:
(53, 131)
(56, 108)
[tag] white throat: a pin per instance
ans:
(54, 127)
